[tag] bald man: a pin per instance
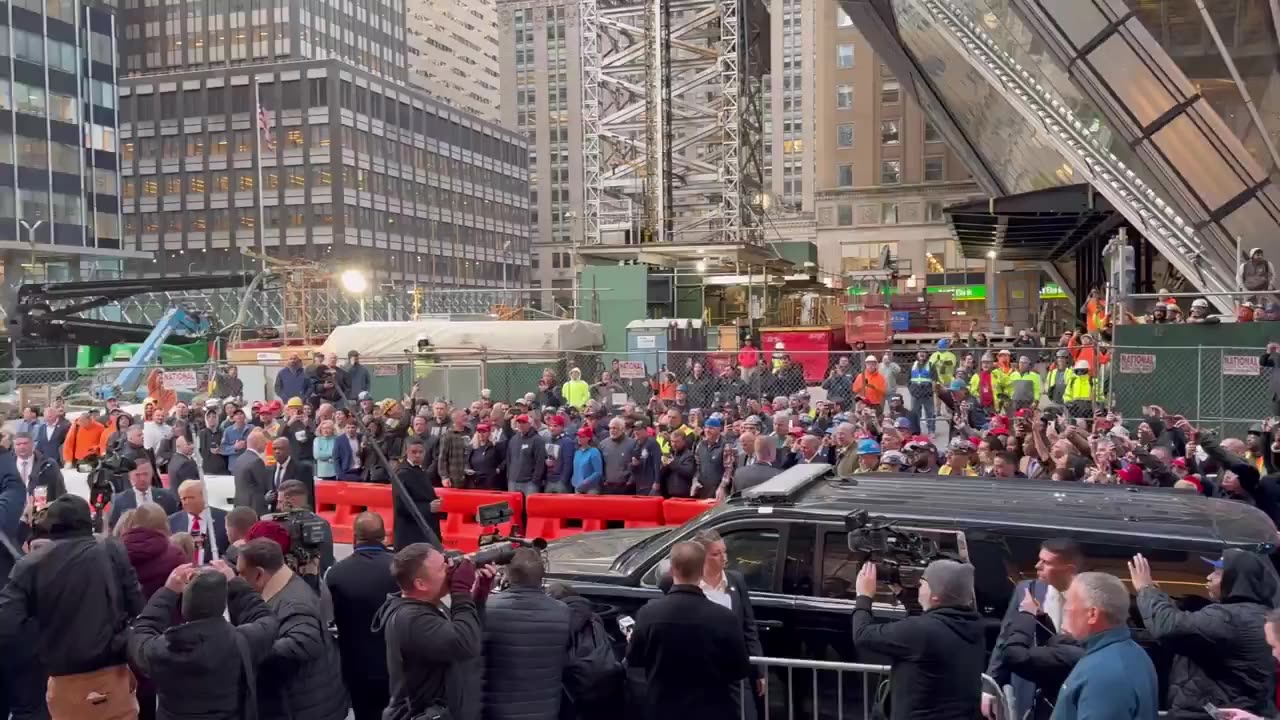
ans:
(360, 584)
(252, 476)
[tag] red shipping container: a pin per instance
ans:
(809, 346)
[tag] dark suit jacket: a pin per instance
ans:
(302, 471)
(359, 585)
(181, 522)
(51, 445)
(693, 654)
(127, 500)
(748, 477)
(253, 480)
(1024, 690)
(45, 471)
(181, 469)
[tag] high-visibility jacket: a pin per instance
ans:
(870, 387)
(944, 363)
(576, 393)
(1000, 387)
(1024, 387)
(1079, 388)
(968, 471)
(1057, 375)
(82, 442)
(1095, 315)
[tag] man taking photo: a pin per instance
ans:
(433, 654)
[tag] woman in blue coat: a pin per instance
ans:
(588, 465)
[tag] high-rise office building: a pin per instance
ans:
(189, 34)
(453, 53)
(59, 175)
(357, 171)
(358, 167)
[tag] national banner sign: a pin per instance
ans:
(179, 379)
(1137, 364)
(1246, 365)
(631, 370)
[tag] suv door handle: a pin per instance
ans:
(769, 624)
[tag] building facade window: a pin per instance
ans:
(890, 172)
(844, 175)
(844, 135)
(889, 134)
(844, 215)
(888, 213)
(934, 170)
(890, 91)
(933, 211)
(844, 55)
(931, 133)
(844, 97)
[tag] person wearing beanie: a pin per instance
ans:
(193, 655)
(87, 593)
(936, 658)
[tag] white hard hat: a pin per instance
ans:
(872, 358)
(1199, 303)
(1082, 364)
(778, 345)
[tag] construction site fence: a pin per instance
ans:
(1227, 388)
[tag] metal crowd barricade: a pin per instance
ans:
(818, 698)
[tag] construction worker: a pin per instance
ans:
(870, 385)
(575, 391)
(1024, 385)
(1079, 394)
(923, 378)
(943, 362)
(1095, 311)
(1055, 385)
(986, 386)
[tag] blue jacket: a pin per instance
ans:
(230, 436)
(343, 458)
(1114, 681)
(588, 467)
(291, 383)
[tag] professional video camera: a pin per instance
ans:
(109, 475)
(496, 548)
(306, 536)
(900, 555)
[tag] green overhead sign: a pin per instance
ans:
(960, 292)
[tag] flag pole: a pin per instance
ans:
(259, 128)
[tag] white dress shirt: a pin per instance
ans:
(206, 528)
(142, 496)
(25, 466)
(1053, 607)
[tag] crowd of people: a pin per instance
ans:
(217, 614)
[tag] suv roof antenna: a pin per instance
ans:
(784, 486)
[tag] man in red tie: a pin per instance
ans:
(207, 524)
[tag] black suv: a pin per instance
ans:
(789, 538)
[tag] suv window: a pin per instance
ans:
(754, 553)
(1181, 572)
(840, 565)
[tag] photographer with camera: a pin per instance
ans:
(433, 654)
(80, 594)
(526, 634)
(300, 678)
(291, 498)
(936, 658)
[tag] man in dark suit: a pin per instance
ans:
(759, 471)
(414, 477)
(693, 652)
(141, 491)
(1059, 562)
(289, 468)
(251, 474)
(50, 434)
(360, 584)
(182, 466)
(197, 518)
(37, 470)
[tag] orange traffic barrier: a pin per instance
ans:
(554, 516)
(332, 505)
(460, 530)
(678, 511)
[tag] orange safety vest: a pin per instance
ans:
(1095, 315)
(870, 387)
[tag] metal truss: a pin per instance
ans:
(592, 185)
(678, 87)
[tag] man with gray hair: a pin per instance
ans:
(936, 658)
(1115, 680)
(760, 470)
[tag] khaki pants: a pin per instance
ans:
(106, 694)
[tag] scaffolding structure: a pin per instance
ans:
(672, 116)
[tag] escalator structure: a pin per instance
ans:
(1069, 73)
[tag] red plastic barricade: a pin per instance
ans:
(678, 511)
(339, 503)
(459, 528)
(557, 516)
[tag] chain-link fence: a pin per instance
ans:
(1224, 387)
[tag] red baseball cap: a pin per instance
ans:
(796, 432)
(586, 431)
(557, 420)
(1180, 463)
(999, 431)
(1130, 475)
(522, 418)
(1024, 412)
(484, 427)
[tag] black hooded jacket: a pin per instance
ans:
(80, 591)
(1047, 664)
(1220, 652)
(936, 660)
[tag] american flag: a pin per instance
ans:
(264, 129)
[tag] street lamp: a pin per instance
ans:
(31, 237)
(355, 282)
